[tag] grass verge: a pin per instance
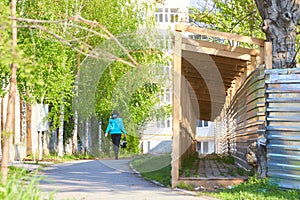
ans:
(21, 184)
(158, 168)
(254, 189)
(154, 167)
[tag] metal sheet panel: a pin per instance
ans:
(238, 127)
(283, 126)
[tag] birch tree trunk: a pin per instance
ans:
(280, 20)
(28, 129)
(75, 133)
(9, 124)
(61, 133)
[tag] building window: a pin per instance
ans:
(202, 123)
(160, 18)
(163, 125)
(149, 146)
(198, 146)
(205, 147)
(168, 123)
(174, 18)
(168, 95)
(167, 15)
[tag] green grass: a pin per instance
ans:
(190, 164)
(253, 189)
(156, 168)
(186, 186)
(256, 189)
(57, 159)
(21, 185)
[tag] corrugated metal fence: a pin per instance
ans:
(246, 112)
(267, 103)
(283, 126)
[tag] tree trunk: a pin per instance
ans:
(28, 130)
(75, 133)
(280, 20)
(61, 133)
(87, 136)
(9, 124)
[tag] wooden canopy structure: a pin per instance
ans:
(206, 76)
(211, 68)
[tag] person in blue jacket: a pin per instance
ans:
(115, 128)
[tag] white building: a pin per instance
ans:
(205, 137)
(157, 137)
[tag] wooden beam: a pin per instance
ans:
(212, 45)
(176, 110)
(226, 70)
(268, 56)
(207, 99)
(218, 52)
(191, 77)
(228, 36)
(212, 58)
(200, 64)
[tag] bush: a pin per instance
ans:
(20, 185)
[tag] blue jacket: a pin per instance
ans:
(115, 126)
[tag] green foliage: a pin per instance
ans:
(227, 159)
(48, 76)
(21, 185)
(134, 92)
(5, 47)
(256, 188)
(234, 16)
(154, 167)
(51, 46)
(67, 157)
(184, 185)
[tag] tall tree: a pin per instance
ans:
(280, 20)
(233, 16)
(9, 123)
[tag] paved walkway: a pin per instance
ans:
(103, 179)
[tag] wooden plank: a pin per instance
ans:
(212, 45)
(268, 56)
(225, 73)
(205, 99)
(212, 58)
(208, 79)
(218, 52)
(176, 110)
(212, 33)
(192, 66)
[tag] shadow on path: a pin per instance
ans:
(102, 179)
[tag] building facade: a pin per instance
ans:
(157, 136)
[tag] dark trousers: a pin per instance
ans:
(116, 141)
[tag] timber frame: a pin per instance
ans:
(206, 77)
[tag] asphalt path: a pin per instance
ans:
(103, 179)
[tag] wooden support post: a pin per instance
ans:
(268, 55)
(261, 55)
(176, 154)
(244, 75)
(253, 63)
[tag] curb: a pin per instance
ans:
(159, 184)
(140, 175)
(185, 191)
